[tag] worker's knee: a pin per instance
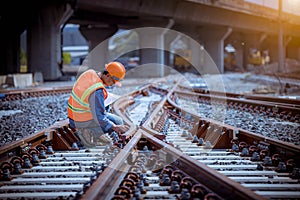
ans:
(115, 119)
(119, 121)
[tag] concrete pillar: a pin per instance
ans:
(151, 43)
(169, 57)
(281, 49)
(44, 40)
(240, 55)
(195, 54)
(273, 46)
(214, 44)
(98, 37)
(9, 51)
(273, 51)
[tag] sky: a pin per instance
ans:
(290, 6)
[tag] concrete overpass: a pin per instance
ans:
(211, 23)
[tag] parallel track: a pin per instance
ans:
(34, 92)
(166, 142)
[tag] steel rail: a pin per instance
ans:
(150, 132)
(288, 148)
(226, 188)
(8, 95)
(228, 135)
(111, 178)
(285, 102)
(272, 106)
(18, 147)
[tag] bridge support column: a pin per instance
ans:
(272, 45)
(9, 51)
(196, 52)
(97, 38)
(273, 50)
(168, 39)
(44, 41)
(239, 56)
(151, 41)
(214, 44)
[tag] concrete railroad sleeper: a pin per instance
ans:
(168, 152)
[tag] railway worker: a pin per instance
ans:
(86, 110)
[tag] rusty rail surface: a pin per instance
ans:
(285, 102)
(111, 179)
(281, 115)
(161, 145)
(203, 123)
(34, 92)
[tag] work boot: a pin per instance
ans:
(104, 139)
(90, 138)
(86, 137)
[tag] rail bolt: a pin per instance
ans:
(185, 194)
(255, 157)
(177, 175)
(35, 156)
(267, 161)
(132, 176)
(281, 167)
(49, 150)
(175, 188)
(198, 191)
(151, 160)
(42, 149)
(276, 159)
(159, 165)
(245, 152)
(124, 191)
(235, 147)
(7, 169)
(128, 183)
(165, 180)
(17, 163)
(27, 160)
(290, 164)
(167, 170)
(136, 169)
(263, 153)
(252, 149)
(200, 142)
(195, 139)
(295, 173)
(187, 183)
(242, 145)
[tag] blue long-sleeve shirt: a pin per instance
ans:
(98, 110)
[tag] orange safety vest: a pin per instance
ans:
(78, 104)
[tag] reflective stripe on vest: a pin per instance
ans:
(84, 95)
(76, 98)
(78, 104)
(91, 89)
(78, 110)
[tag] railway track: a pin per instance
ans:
(34, 92)
(169, 152)
(290, 102)
(277, 120)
